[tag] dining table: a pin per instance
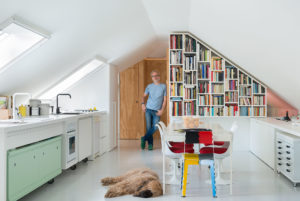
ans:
(175, 132)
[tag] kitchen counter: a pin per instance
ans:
(17, 133)
(288, 127)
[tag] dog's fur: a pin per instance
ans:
(140, 182)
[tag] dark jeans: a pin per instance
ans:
(151, 120)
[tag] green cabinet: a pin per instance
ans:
(31, 166)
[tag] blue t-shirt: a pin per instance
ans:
(156, 96)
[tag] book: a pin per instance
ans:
(176, 41)
(176, 57)
(216, 63)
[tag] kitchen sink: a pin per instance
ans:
(70, 113)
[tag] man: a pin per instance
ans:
(154, 108)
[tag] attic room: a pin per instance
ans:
(173, 99)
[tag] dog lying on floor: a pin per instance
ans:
(141, 182)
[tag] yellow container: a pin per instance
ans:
(22, 111)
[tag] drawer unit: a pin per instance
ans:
(31, 166)
(288, 156)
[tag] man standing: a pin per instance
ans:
(154, 108)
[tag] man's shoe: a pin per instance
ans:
(150, 147)
(142, 143)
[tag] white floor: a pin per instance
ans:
(253, 180)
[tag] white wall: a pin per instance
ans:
(92, 91)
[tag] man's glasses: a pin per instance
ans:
(155, 76)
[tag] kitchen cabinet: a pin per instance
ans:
(31, 166)
(85, 137)
(262, 142)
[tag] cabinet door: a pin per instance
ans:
(85, 134)
(21, 173)
(50, 163)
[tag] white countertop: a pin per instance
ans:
(288, 127)
(28, 122)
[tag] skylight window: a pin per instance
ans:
(72, 79)
(16, 39)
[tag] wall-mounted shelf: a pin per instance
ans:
(204, 83)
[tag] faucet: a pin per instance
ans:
(57, 108)
(14, 101)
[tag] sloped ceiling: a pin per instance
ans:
(260, 36)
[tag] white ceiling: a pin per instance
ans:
(260, 36)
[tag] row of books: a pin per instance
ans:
(217, 111)
(176, 57)
(230, 72)
(204, 100)
(176, 41)
(190, 77)
(259, 111)
(231, 85)
(190, 44)
(245, 101)
(190, 63)
(244, 79)
(190, 93)
(203, 71)
(231, 110)
(245, 111)
(204, 111)
(259, 100)
(176, 73)
(176, 108)
(217, 88)
(245, 91)
(176, 89)
(216, 63)
(217, 100)
(217, 76)
(257, 88)
(203, 87)
(202, 53)
(231, 97)
(189, 108)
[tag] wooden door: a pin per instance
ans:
(131, 126)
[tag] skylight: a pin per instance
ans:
(72, 79)
(17, 39)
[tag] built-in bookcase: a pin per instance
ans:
(204, 83)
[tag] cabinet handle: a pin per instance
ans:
(287, 146)
(57, 147)
(15, 164)
(33, 157)
(288, 158)
(288, 164)
(279, 153)
(288, 152)
(288, 170)
(279, 164)
(279, 142)
(279, 147)
(43, 153)
(279, 159)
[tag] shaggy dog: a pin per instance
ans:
(140, 182)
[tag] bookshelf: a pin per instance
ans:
(204, 83)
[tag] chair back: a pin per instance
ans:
(162, 140)
(198, 136)
(163, 126)
(234, 127)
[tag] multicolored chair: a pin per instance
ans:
(205, 157)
